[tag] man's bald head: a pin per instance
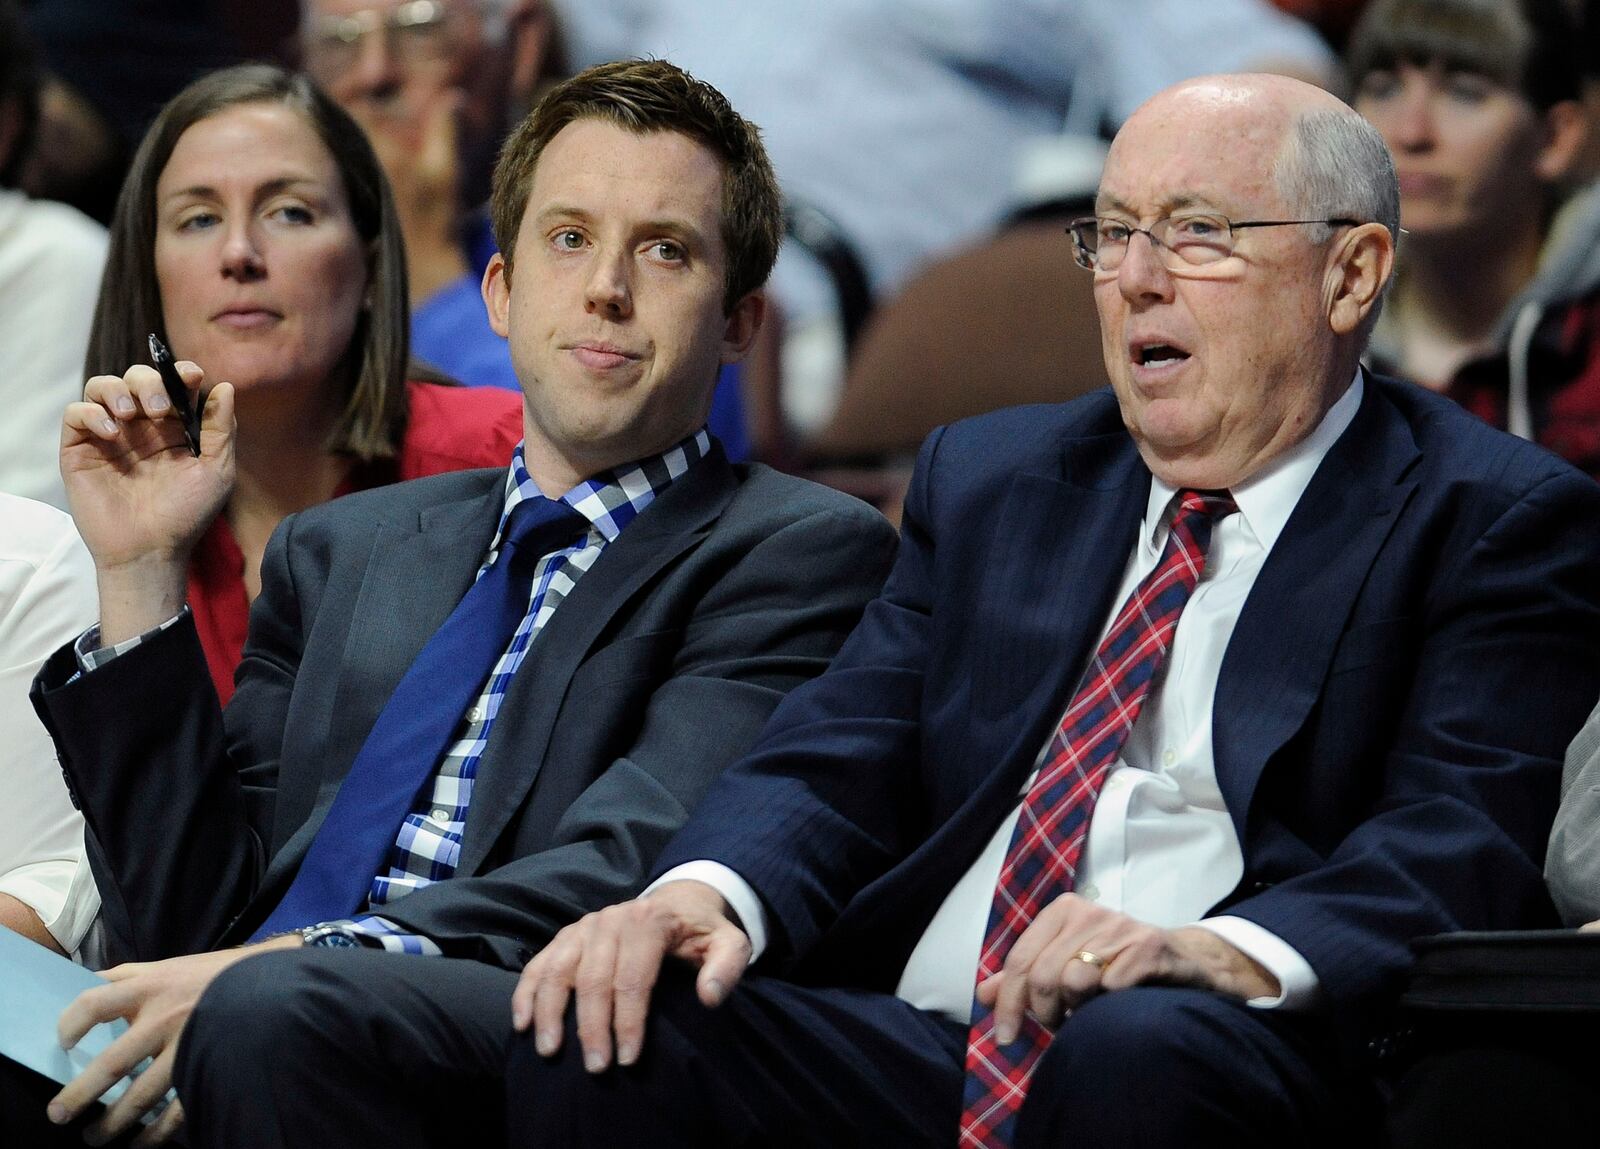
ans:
(1222, 364)
(1327, 160)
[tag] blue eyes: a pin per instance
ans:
(664, 250)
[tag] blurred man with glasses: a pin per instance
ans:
(436, 84)
(1186, 707)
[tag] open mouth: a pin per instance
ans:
(1153, 353)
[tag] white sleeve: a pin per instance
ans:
(744, 900)
(1297, 980)
(47, 595)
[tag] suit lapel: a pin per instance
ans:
(682, 516)
(1283, 644)
(418, 570)
(1058, 557)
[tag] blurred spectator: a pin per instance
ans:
(109, 66)
(903, 121)
(50, 261)
(256, 233)
(1572, 868)
(46, 597)
(1478, 101)
(1587, 168)
(1333, 18)
(436, 84)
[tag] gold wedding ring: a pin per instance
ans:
(1088, 958)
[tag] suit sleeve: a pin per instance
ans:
(828, 783)
(177, 808)
(1572, 868)
(1509, 664)
(773, 620)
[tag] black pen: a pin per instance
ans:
(177, 392)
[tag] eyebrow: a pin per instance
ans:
(271, 187)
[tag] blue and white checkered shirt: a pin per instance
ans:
(428, 846)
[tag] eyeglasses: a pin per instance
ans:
(416, 32)
(1099, 243)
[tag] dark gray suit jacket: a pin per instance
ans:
(658, 669)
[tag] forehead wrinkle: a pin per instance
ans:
(1164, 206)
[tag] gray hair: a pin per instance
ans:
(1335, 165)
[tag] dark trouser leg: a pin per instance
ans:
(347, 1047)
(23, 1096)
(775, 1065)
(1163, 1067)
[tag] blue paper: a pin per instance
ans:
(35, 986)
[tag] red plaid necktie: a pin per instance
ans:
(1042, 861)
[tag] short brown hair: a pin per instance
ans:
(655, 96)
(129, 308)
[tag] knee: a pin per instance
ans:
(254, 1013)
(1142, 1066)
(556, 1101)
(1146, 1031)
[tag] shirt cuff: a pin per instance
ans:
(375, 933)
(92, 656)
(745, 901)
(1297, 981)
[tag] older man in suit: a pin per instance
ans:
(1184, 709)
(470, 709)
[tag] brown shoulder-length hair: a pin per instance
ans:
(373, 370)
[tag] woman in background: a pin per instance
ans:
(256, 236)
(1478, 101)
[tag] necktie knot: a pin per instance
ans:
(1213, 505)
(537, 526)
(1198, 512)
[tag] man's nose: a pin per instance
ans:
(1143, 274)
(609, 290)
(377, 68)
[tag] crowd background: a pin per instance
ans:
(928, 152)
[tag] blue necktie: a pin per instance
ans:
(415, 728)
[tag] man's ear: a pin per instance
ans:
(497, 295)
(1362, 262)
(742, 325)
(1565, 128)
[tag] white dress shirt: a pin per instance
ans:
(47, 595)
(1161, 846)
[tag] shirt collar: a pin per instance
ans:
(1267, 498)
(612, 499)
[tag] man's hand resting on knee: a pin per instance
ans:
(1076, 949)
(609, 962)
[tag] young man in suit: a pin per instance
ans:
(471, 708)
(1184, 709)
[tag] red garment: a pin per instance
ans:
(1563, 379)
(448, 429)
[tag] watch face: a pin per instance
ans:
(328, 937)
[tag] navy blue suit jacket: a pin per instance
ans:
(1390, 716)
